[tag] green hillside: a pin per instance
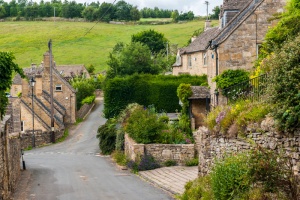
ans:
(28, 40)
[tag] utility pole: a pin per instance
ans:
(51, 92)
(207, 3)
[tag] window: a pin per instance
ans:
(204, 59)
(58, 88)
(189, 61)
(22, 126)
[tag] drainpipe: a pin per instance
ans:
(217, 71)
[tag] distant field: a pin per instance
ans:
(28, 40)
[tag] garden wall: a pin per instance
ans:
(161, 152)
(41, 138)
(212, 146)
(10, 152)
(84, 110)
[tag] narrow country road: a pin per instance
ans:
(74, 170)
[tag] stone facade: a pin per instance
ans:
(237, 45)
(160, 152)
(211, 146)
(64, 98)
(196, 68)
(10, 153)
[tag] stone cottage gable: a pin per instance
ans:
(236, 21)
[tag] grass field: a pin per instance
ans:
(28, 40)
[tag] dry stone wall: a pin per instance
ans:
(211, 146)
(10, 152)
(84, 110)
(41, 138)
(160, 152)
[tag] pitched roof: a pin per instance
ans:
(68, 70)
(199, 92)
(236, 22)
(200, 43)
(17, 80)
(234, 4)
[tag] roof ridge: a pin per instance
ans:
(236, 21)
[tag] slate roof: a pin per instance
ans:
(236, 21)
(199, 92)
(67, 70)
(17, 80)
(200, 43)
(234, 4)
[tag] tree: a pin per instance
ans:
(135, 14)
(7, 68)
(132, 58)
(123, 10)
(154, 40)
(216, 13)
(175, 15)
(2, 12)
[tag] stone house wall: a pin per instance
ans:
(197, 67)
(160, 152)
(10, 153)
(239, 50)
(211, 147)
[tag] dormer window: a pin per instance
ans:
(58, 88)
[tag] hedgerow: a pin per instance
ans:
(156, 90)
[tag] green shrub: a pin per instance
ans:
(85, 88)
(170, 163)
(241, 113)
(229, 78)
(198, 189)
(144, 127)
(120, 158)
(120, 139)
(157, 90)
(107, 136)
(88, 100)
(229, 177)
(283, 85)
(192, 162)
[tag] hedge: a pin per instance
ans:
(157, 90)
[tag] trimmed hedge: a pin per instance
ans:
(157, 90)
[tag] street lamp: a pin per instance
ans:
(32, 83)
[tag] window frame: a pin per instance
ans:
(58, 86)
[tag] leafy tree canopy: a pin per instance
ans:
(154, 40)
(216, 12)
(7, 68)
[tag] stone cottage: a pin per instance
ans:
(193, 59)
(64, 98)
(236, 46)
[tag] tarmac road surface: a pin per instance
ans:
(74, 170)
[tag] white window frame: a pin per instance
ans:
(57, 87)
(205, 59)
